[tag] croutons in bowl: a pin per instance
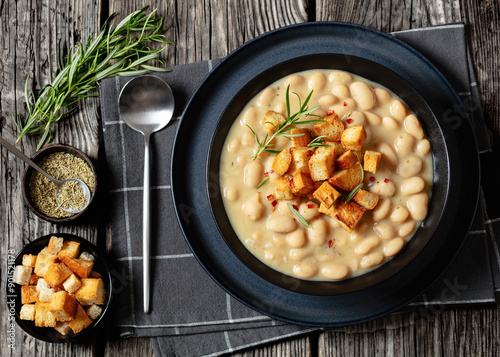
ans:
(59, 287)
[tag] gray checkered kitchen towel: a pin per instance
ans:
(191, 315)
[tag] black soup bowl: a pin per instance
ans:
(365, 52)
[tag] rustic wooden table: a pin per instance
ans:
(29, 33)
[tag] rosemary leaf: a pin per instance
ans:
(263, 182)
(298, 216)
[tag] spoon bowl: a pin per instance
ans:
(146, 104)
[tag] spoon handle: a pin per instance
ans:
(146, 227)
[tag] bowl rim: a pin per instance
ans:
(44, 333)
(27, 175)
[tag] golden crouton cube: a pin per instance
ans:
(55, 245)
(22, 274)
(366, 199)
(272, 120)
(337, 145)
(43, 261)
(326, 210)
(62, 327)
(353, 138)
(347, 214)
(80, 267)
(27, 312)
(29, 260)
(283, 189)
(372, 161)
(69, 249)
(72, 284)
(346, 179)
(302, 184)
(346, 160)
(43, 317)
(300, 160)
(326, 194)
(282, 162)
(331, 129)
(56, 274)
(302, 140)
(80, 321)
(34, 279)
(28, 294)
(63, 306)
(322, 163)
(95, 275)
(94, 312)
(91, 292)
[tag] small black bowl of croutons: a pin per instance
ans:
(59, 288)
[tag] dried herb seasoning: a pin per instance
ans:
(71, 196)
(61, 166)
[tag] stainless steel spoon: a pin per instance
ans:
(146, 104)
(58, 183)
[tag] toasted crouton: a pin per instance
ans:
(326, 194)
(94, 312)
(300, 160)
(43, 317)
(347, 214)
(71, 284)
(55, 245)
(95, 275)
(366, 199)
(353, 138)
(80, 321)
(34, 279)
(326, 210)
(56, 274)
(372, 161)
(27, 312)
(63, 306)
(346, 179)
(302, 184)
(302, 140)
(80, 267)
(29, 260)
(283, 189)
(69, 249)
(91, 292)
(272, 120)
(28, 294)
(62, 327)
(331, 129)
(282, 162)
(43, 261)
(322, 163)
(346, 160)
(337, 145)
(22, 274)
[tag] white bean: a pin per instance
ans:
(283, 205)
(382, 210)
(340, 77)
(234, 145)
(317, 81)
(398, 109)
(418, 206)
(356, 118)
(364, 95)
(410, 166)
(249, 117)
(390, 124)
(406, 229)
(265, 98)
(404, 144)
(318, 232)
(296, 239)
(383, 96)
(385, 230)
(253, 208)
(335, 271)
(296, 255)
(399, 214)
(367, 245)
(328, 100)
(242, 160)
(308, 210)
(325, 255)
(341, 91)
(383, 188)
(281, 224)
(295, 81)
(253, 174)
(412, 185)
(231, 193)
(280, 108)
(353, 264)
(413, 126)
(423, 148)
(373, 119)
(388, 154)
(248, 138)
(305, 269)
(371, 260)
(393, 247)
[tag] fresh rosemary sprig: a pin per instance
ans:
(318, 142)
(117, 50)
(358, 187)
(298, 216)
(284, 128)
(263, 182)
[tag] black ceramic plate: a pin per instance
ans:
(371, 54)
(13, 291)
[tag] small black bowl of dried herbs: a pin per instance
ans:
(62, 162)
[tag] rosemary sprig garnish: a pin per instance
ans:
(284, 128)
(358, 187)
(318, 142)
(117, 50)
(263, 182)
(298, 216)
